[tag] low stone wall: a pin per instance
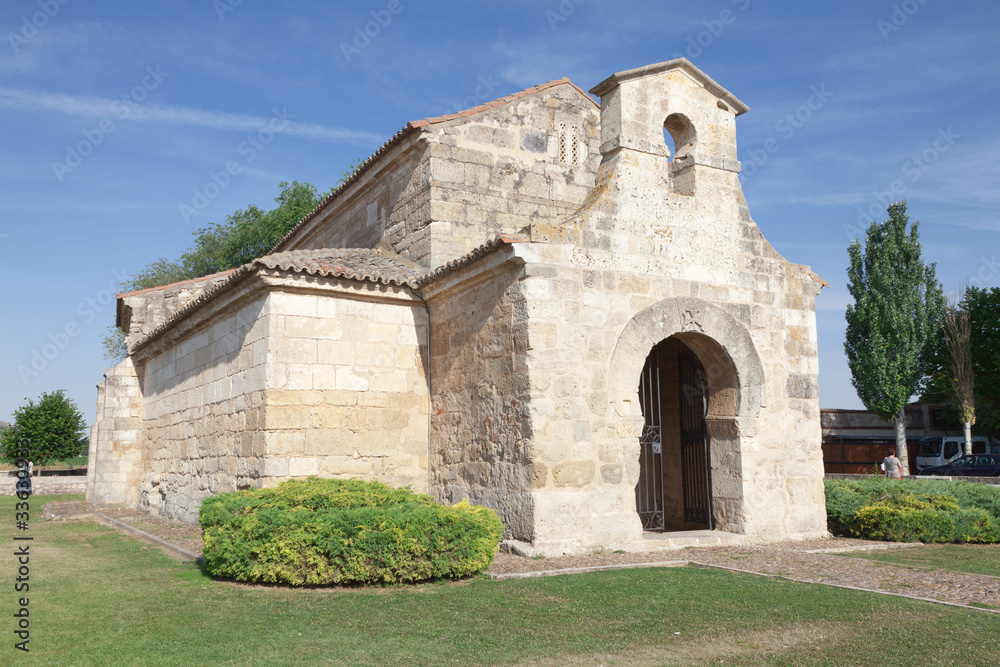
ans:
(46, 486)
(995, 481)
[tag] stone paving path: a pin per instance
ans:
(787, 560)
(808, 561)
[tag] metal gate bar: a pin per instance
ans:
(694, 442)
(649, 490)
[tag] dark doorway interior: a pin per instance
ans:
(674, 489)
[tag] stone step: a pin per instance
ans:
(690, 538)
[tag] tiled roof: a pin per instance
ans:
(470, 257)
(410, 128)
(178, 284)
(363, 264)
(378, 266)
(366, 264)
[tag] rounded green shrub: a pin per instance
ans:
(318, 532)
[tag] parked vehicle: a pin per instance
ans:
(940, 450)
(973, 465)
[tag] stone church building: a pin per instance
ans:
(554, 308)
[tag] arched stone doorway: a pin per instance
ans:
(701, 346)
(677, 395)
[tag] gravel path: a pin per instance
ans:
(809, 560)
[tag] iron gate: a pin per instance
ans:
(649, 490)
(694, 442)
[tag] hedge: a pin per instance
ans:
(912, 510)
(318, 532)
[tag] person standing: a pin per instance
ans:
(893, 467)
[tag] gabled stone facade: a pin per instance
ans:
(534, 305)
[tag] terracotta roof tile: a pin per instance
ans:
(470, 256)
(362, 264)
(380, 266)
(177, 284)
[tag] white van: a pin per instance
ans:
(939, 450)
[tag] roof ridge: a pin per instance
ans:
(175, 284)
(408, 129)
(500, 101)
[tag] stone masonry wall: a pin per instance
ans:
(480, 432)
(46, 486)
(347, 385)
(648, 257)
(114, 455)
(203, 410)
(390, 203)
(455, 184)
(499, 170)
(144, 310)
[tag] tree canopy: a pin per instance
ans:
(51, 429)
(983, 308)
(247, 234)
(894, 322)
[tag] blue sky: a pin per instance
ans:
(114, 114)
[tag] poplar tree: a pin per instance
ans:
(893, 325)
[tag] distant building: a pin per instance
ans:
(856, 441)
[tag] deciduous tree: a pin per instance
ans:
(51, 429)
(894, 322)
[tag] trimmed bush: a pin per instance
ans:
(318, 532)
(913, 510)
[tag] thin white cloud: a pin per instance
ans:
(99, 107)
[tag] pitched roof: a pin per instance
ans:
(378, 265)
(364, 264)
(199, 279)
(412, 127)
(684, 64)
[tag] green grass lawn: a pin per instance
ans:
(99, 597)
(975, 558)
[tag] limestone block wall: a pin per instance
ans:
(114, 455)
(142, 311)
(45, 486)
(500, 170)
(390, 202)
(347, 392)
(655, 253)
(203, 410)
(480, 435)
(451, 185)
(590, 331)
